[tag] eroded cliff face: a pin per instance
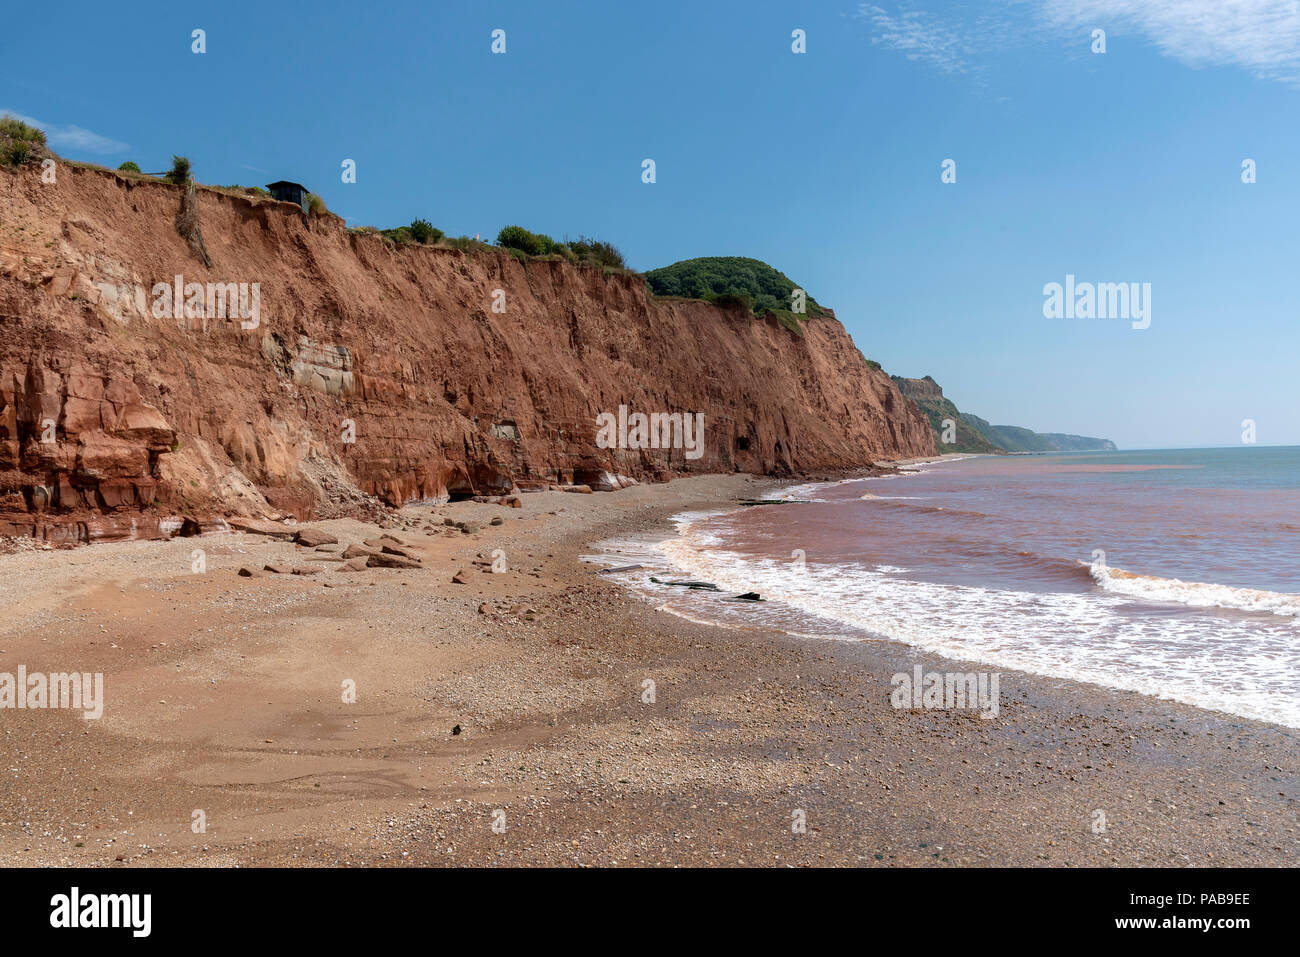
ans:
(372, 368)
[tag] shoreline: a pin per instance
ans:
(222, 696)
(823, 625)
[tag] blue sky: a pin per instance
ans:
(1116, 166)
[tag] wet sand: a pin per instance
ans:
(224, 695)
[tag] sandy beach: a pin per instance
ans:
(516, 700)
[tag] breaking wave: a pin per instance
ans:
(1195, 594)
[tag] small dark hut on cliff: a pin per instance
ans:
(287, 192)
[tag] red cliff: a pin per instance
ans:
(117, 423)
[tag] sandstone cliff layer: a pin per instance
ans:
(372, 369)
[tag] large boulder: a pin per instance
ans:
(313, 537)
(384, 560)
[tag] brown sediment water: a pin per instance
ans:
(1172, 573)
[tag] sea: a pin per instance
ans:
(1171, 573)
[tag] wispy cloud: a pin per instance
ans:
(920, 36)
(1262, 36)
(71, 137)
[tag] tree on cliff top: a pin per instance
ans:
(424, 232)
(187, 217)
(180, 172)
(730, 280)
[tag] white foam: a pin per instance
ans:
(1195, 594)
(801, 492)
(1239, 665)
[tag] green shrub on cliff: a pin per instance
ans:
(725, 279)
(730, 300)
(128, 167)
(734, 281)
(464, 243)
(16, 153)
(581, 251)
(238, 190)
(15, 129)
(529, 243)
(180, 171)
(19, 142)
(589, 250)
(424, 232)
(420, 231)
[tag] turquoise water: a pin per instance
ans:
(1246, 467)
